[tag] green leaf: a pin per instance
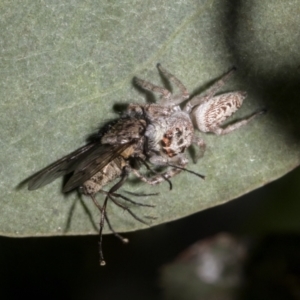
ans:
(64, 65)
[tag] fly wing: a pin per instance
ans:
(63, 166)
(91, 158)
(97, 159)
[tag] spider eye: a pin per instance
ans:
(178, 132)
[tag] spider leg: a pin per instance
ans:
(210, 92)
(221, 131)
(146, 85)
(184, 94)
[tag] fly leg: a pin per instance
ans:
(104, 217)
(110, 195)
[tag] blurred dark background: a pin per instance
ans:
(67, 267)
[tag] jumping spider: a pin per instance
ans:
(170, 129)
(156, 133)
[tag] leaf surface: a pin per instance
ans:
(64, 66)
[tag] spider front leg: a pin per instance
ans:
(175, 166)
(184, 94)
(159, 177)
(146, 85)
(166, 94)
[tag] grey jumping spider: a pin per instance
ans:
(156, 133)
(170, 129)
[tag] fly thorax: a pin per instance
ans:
(171, 135)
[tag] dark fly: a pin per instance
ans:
(112, 154)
